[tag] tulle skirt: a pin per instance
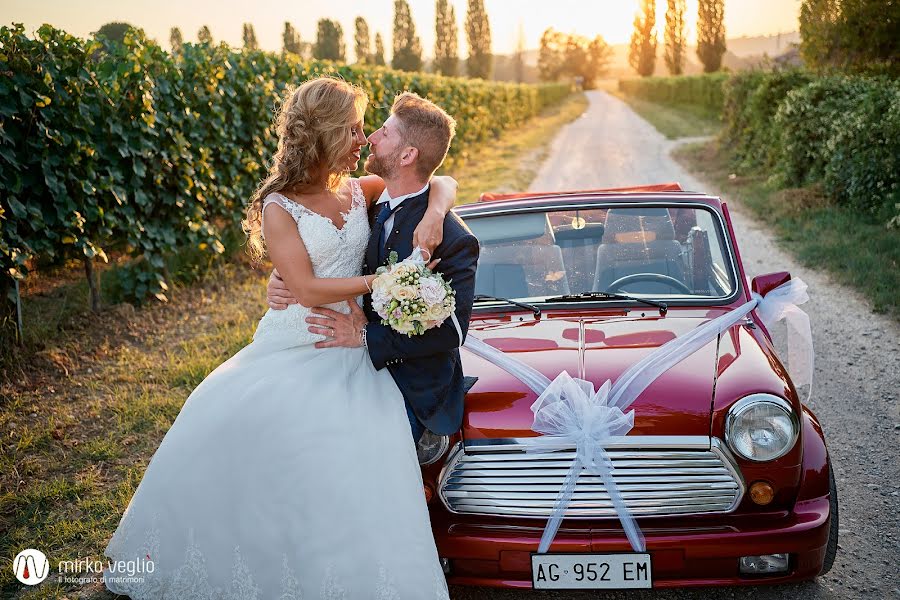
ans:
(290, 472)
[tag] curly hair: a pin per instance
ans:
(313, 126)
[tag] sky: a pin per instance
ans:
(610, 18)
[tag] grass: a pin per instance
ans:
(90, 397)
(510, 163)
(674, 121)
(854, 248)
(78, 432)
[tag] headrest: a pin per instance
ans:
(637, 225)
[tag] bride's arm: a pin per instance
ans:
(292, 262)
(429, 232)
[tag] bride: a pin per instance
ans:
(290, 471)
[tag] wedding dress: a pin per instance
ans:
(290, 472)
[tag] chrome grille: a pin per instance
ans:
(657, 475)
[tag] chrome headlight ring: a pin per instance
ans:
(431, 447)
(761, 427)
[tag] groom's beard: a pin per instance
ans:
(383, 166)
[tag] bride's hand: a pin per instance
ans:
(277, 293)
(430, 232)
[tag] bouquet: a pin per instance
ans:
(409, 297)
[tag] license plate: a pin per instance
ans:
(590, 571)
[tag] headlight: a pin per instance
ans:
(431, 447)
(761, 427)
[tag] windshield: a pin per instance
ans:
(659, 252)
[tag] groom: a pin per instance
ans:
(405, 153)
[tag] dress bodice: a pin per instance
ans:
(333, 251)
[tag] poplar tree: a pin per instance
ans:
(378, 59)
(204, 36)
(478, 36)
(446, 39)
(642, 50)
(361, 42)
(711, 34)
(674, 37)
(330, 41)
(176, 40)
(250, 37)
(407, 48)
(291, 40)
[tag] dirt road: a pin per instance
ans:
(857, 365)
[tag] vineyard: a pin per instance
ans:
(127, 150)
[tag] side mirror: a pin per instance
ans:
(763, 284)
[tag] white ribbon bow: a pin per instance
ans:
(569, 413)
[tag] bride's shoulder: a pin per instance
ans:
(371, 186)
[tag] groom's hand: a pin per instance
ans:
(277, 293)
(340, 329)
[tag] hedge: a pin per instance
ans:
(125, 147)
(838, 130)
(703, 91)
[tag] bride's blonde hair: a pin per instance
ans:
(313, 126)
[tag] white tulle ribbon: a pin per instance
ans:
(570, 413)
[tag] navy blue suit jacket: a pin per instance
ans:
(426, 367)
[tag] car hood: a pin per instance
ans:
(595, 348)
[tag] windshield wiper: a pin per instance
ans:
(531, 307)
(593, 296)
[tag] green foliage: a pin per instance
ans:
(854, 35)
(754, 97)
(176, 41)
(642, 49)
(446, 39)
(204, 35)
(711, 34)
(249, 37)
(330, 41)
(153, 156)
(378, 59)
(703, 91)
(361, 42)
(480, 62)
(864, 167)
(114, 32)
(573, 55)
(806, 120)
(407, 47)
(675, 44)
(840, 131)
(290, 40)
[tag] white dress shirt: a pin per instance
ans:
(395, 202)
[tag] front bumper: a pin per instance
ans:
(684, 552)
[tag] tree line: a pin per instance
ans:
(710, 37)
(406, 48)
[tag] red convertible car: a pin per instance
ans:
(725, 470)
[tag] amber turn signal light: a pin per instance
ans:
(429, 493)
(762, 493)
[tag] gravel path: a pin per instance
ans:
(857, 370)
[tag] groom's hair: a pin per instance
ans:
(426, 127)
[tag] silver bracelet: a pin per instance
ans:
(366, 281)
(362, 338)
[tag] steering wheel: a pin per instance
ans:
(657, 277)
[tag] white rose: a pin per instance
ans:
(380, 296)
(384, 282)
(403, 292)
(432, 291)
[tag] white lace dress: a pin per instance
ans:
(290, 472)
